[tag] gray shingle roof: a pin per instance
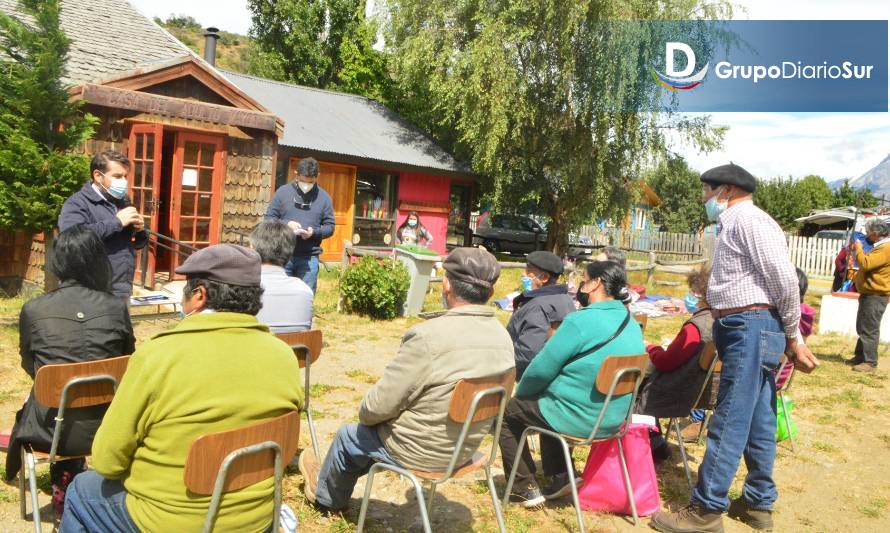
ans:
(108, 37)
(345, 124)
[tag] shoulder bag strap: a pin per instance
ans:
(600, 345)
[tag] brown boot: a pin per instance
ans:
(756, 518)
(690, 519)
(691, 432)
(864, 367)
(310, 468)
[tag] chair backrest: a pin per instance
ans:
(208, 452)
(466, 389)
(614, 364)
(708, 353)
(304, 343)
(50, 381)
(642, 319)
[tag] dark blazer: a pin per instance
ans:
(533, 312)
(72, 324)
(99, 213)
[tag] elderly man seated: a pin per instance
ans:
(287, 301)
(218, 369)
(403, 419)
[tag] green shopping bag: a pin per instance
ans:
(783, 412)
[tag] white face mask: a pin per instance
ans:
(305, 187)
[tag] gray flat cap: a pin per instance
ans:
(474, 266)
(730, 174)
(225, 263)
(546, 261)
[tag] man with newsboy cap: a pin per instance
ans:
(539, 309)
(754, 295)
(403, 419)
(219, 369)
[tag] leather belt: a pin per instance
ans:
(720, 313)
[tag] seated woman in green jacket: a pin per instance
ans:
(560, 394)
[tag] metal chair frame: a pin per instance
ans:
(218, 487)
(301, 350)
(622, 430)
(30, 461)
(426, 504)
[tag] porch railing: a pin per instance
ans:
(159, 240)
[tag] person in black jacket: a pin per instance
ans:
(540, 308)
(80, 321)
(103, 206)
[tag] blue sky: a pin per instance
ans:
(833, 145)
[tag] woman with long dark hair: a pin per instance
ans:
(80, 321)
(413, 232)
(557, 388)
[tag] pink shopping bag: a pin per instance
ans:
(603, 482)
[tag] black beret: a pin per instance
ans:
(225, 263)
(730, 174)
(474, 266)
(546, 261)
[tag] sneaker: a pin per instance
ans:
(529, 498)
(310, 468)
(864, 367)
(661, 452)
(560, 487)
(690, 519)
(755, 518)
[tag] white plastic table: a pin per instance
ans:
(838, 315)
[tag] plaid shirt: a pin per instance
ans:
(751, 265)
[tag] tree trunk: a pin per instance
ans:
(557, 231)
(50, 281)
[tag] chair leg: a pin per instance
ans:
(32, 481)
(494, 500)
(312, 435)
(704, 425)
(630, 491)
(429, 501)
(570, 468)
(676, 426)
(418, 491)
(23, 491)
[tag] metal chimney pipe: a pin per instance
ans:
(211, 35)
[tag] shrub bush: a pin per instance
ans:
(375, 288)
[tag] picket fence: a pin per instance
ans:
(814, 256)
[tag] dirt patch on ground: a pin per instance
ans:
(835, 480)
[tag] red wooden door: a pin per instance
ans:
(145, 184)
(197, 189)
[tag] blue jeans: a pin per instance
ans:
(94, 504)
(750, 345)
(354, 450)
(304, 267)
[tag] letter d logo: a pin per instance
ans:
(670, 59)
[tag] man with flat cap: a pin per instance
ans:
(539, 309)
(219, 369)
(403, 419)
(755, 299)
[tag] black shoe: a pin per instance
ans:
(529, 498)
(661, 453)
(854, 361)
(560, 487)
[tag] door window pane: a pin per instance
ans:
(204, 204)
(205, 179)
(187, 208)
(202, 232)
(207, 153)
(150, 146)
(137, 199)
(186, 229)
(148, 174)
(191, 153)
(140, 145)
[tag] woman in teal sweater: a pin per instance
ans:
(558, 394)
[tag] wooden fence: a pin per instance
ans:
(814, 256)
(683, 244)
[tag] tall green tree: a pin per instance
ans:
(787, 200)
(679, 188)
(39, 126)
(320, 43)
(846, 196)
(539, 96)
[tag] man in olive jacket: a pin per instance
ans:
(403, 419)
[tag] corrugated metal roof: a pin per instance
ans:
(345, 124)
(107, 36)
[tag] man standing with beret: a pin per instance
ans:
(755, 299)
(219, 369)
(403, 420)
(541, 307)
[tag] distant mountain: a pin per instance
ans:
(877, 180)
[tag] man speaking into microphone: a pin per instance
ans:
(103, 206)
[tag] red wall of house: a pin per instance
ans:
(424, 188)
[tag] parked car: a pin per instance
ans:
(831, 234)
(515, 234)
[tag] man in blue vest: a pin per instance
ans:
(307, 209)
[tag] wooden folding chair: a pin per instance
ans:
(307, 347)
(473, 400)
(227, 461)
(63, 387)
(617, 376)
(642, 319)
(710, 363)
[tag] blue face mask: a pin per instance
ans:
(714, 209)
(412, 223)
(691, 302)
(526, 283)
